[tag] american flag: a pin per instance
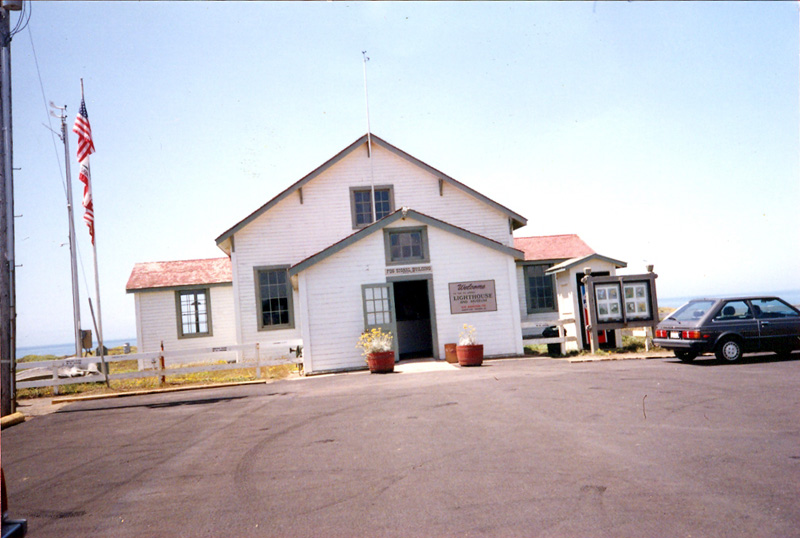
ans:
(85, 148)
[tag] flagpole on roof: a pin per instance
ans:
(369, 141)
(86, 148)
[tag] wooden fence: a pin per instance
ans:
(257, 360)
(562, 337)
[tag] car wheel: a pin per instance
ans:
(729, 350)
(685, 356)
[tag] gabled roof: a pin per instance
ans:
(552, 247)
(517, 219)
(569, 264)
(402, 213)
(173, 274)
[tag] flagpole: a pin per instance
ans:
(99, 315)
(369, 141)
(99, 319)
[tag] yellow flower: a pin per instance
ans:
(375, 340)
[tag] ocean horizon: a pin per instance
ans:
(790, 296)
(68, 349)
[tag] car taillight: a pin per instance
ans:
(661, 333)
(693, 335)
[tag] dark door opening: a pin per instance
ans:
(413, 313)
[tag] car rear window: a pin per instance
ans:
(692, 311)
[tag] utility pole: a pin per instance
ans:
(73, 254)
(8, 313)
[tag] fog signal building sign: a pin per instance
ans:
(475, 296)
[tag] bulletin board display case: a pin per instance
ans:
(620, 302)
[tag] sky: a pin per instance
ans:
(662, 133)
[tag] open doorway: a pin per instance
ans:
(413, 314)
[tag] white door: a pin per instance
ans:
(379, 310)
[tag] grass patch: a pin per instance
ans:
(119, 350)
(37, 358)
(280, 371)
(631, 344)
(540, 350)
(535, 350)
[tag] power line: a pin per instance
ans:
(47, 113)
(65, 133)
(22, 21)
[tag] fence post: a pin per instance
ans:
(55, 378)
(258, 361)
(162, 378)
(562, 333)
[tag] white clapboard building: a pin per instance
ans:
(313, 266)
(186, 304)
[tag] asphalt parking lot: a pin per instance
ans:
(531, 447)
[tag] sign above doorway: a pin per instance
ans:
(403, 271)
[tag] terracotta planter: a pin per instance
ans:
(470, 355)
(450, 353)
(381, 362)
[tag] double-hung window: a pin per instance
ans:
(274, 295)
(406, 245)
(194, 313)
(361, 204)
(539, 289)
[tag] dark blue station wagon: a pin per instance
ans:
(729, 327)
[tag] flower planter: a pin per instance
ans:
(381, 362)
(450, 353)
(470, 355)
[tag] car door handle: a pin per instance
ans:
(765, 323)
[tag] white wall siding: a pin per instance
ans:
(138, 307)
(523, 303)
(456, 259)
(569, 307)
(236, 292)
(248, 308)
(333, 297)
(511, 265)
(157, 321)
(335, 311)
(569, 297)
(290, 231)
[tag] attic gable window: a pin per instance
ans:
(361, 204)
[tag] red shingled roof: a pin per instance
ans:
(552, 247)
(179, 273)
